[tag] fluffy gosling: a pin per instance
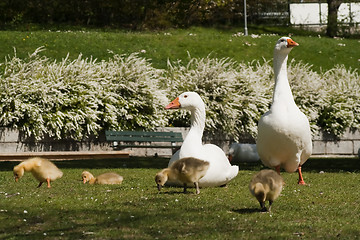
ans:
(186, 170)
(105, 178)
(42, 169)
(266, 185)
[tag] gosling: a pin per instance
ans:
(105, 178)
(266, 185)
(42, 169)
(185, 170)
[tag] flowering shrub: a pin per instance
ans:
(232, 92)
(341, 108)
(237, 94)
(212, 79)
(73, 99)
(77, 98)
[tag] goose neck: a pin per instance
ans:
(282, 91)
(198, 121)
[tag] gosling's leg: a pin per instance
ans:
(270, 203)
(262, 206)
(197, 187)
(277, 168)
(40, 184)
(185, 186)
(301, 180)
(48, 182)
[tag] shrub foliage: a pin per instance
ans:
(73, 99)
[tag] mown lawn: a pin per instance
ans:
(323, 53)
(326, 208)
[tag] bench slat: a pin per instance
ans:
(139, 133)
(143, 139)
(138, 136)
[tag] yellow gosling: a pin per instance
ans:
(105, 178)
(42, 169)
(186, 170)
(266, 185)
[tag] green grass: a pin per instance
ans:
(327, 208)
(322, 53)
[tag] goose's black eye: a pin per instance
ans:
(282, 40)
(185, 96)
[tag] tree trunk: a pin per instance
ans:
(332, 26)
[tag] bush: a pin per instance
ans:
(75, 99)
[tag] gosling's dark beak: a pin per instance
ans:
(159, 187)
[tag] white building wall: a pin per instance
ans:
(315, 13)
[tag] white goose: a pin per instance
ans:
(284, 137)
(220, 171)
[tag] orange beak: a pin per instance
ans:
(174, 104)
(84, 180)
(291, 43)
(16, 179)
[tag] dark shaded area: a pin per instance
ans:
(131, 162)
(246, 210)
(332, 164)
(318, 164)
(141, 14)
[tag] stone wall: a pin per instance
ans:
(347, 145)
(324, 145)
(12, 141)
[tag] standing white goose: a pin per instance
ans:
(220, 170)
(284, 137)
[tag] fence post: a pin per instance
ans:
(245, 20)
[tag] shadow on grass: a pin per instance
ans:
(131, 162)
(318, 164)
(180, 192)
(246, 210)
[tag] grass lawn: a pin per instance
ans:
(326, 208)
(323, 53)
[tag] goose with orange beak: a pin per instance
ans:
(220, 171)
(284, 136)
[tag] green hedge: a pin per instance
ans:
(72, 99)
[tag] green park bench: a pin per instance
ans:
(142, 139)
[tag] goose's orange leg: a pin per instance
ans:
(301, 180)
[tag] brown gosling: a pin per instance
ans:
(105, 178)
(42, 169)
(266, 185)
(185, 170)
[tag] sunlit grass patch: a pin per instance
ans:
(328, 207)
